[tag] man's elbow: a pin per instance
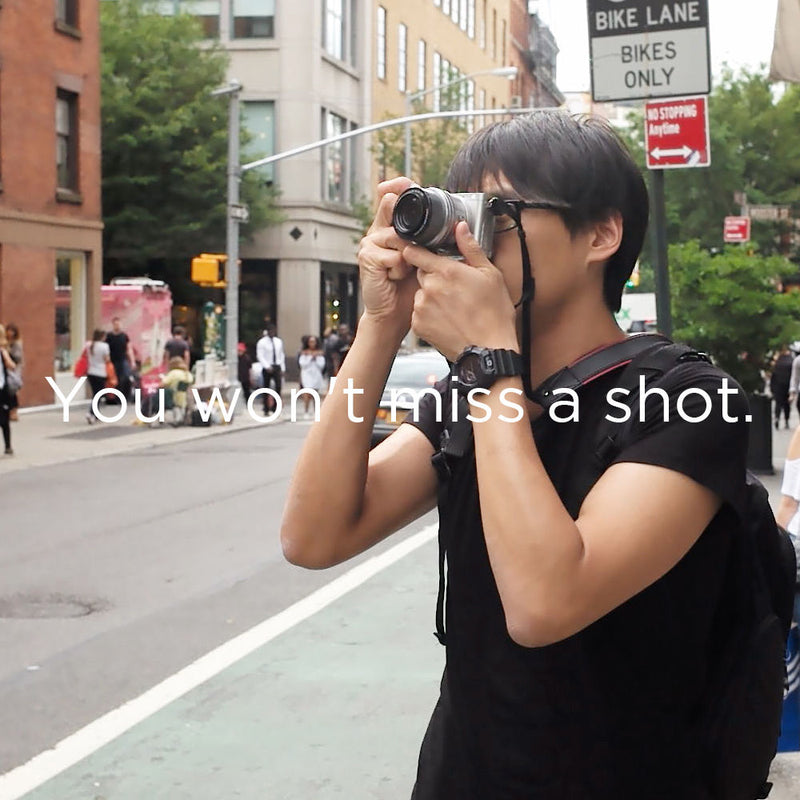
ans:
(538, 629)
(300, 554)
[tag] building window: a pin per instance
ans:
(67, 140)
(437, 79)
(494, 35)
(482, 29)
(471, 19)
(454, 9)
(462, 22)
(381, 55)
(259, 120)
(67, 12)
(206, 12)
(503, 43)
(336, 160)
(402, 56)
(253, 19)
(421, 63)
(334, 29)
(446, 7)
(437, 3)
(70, 308)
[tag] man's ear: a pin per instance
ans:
(606, 239)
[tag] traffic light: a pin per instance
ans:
(205, 270)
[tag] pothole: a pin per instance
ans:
(49, 606)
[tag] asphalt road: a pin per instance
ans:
(119, 571)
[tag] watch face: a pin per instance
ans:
(469, 369)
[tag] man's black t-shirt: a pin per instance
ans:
(117, 346)
(607, 712)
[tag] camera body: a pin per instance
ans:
(428, 217)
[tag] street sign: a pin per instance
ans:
(769, 213)
(648, 48)
(737, 229)
(240, 212)
(676, 133)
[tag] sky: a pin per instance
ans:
(741, 33)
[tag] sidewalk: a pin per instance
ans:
(42, 437)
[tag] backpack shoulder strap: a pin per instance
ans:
(652, 365)
(595, 365)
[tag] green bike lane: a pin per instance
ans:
(334, 707)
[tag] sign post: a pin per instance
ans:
(643, 49)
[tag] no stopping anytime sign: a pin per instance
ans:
(648, 48)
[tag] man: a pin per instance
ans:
(581, 621)
(272, 357)
(336, 346)
(780, 379)
(122, 355)
(177, 346)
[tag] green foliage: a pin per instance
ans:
(165, 141)
(434, 143)
(755, 150)
(728, 305)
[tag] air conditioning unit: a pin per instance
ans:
(516, 101)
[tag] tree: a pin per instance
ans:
(729, 306)
(755, 150)
(165, 143)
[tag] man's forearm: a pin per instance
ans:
(326, 495)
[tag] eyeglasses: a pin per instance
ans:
(500, 207)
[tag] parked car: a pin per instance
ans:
(412, 372)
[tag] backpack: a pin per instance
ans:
(739, 725)
(737, 728)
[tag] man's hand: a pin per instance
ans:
(461, 303)
(387, 280)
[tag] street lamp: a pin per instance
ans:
(234, 216)
(410, 97)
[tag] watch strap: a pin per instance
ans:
(507, 363)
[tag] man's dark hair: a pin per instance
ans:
(554, 156)
(179, 330)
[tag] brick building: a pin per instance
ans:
(50, 218)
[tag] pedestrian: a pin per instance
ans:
(98, 354)
(582, 623)
(272, 357)
(177, 346)
(245, 366)
(8, 373)
(311, 361)
(788, 513)
(337, 343)
(177, 382)
(15, 350)
(122, 356)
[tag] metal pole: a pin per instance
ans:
(232, 237)
(388, 123)
(407, 164)
(660, 253)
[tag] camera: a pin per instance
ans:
(428, 217)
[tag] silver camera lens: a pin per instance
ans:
(428, 217)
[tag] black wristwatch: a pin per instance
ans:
(480, 367)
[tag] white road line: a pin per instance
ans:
(95, 735)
